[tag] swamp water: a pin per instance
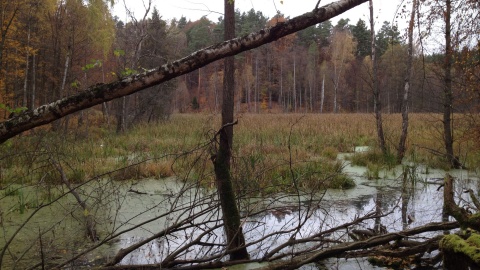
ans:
(121, 206)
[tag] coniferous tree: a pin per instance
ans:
(324, 33)
(363, 39)
(388, 35)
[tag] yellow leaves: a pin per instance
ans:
(49, 6)
(342, 47)
(75, 84)
(264, 104)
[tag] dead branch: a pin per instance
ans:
(400, 249)
(117, 234)
(178, 226)
(9, 241)
(292, 242)
(340, 250)
(461, 215)
(474, 199)
(90, 223)
(456, 162)
(336, 251)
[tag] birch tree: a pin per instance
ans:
(342, 50)
(377, 106)
(406, 90)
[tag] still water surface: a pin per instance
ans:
(126, 204)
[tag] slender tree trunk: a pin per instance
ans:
(313, 89)
(357, 97)
(447, 92)
(247, 85)
(81, 116)
(335, 90)
(65, 74)
(255, 98)
(322, 95)
(15, 102)
(377, 106)
(34, 79)
(25, 82)
(377, 227)
(27, 60)
(311, 96)
(62, 88)
(408, 78)
(106, 114)
(7, 22)
(305, 95)
(281, 98)
(199, 85)
(300, 99)
(121, 111)
(215, 88)
(388, 102)
(231, 216)
(294, 85)
(289, 102)
(269, 78)
(336, 79)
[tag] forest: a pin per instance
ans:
(52, 50)
(97, 113)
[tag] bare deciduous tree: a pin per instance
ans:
(377, 105)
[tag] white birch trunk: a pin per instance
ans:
(322, 95)
(34, 78)
(294, 86)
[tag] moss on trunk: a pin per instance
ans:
(460, 253)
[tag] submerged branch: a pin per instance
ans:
(400, 249)
(340, 250)
(90, 223)
(369, 247)
(178, 226)
(292, 242)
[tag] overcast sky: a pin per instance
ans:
(195, 9)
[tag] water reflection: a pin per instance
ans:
(398, 202)
(408, 202)
(411, 203)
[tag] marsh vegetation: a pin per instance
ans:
(150, 187)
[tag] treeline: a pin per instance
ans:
(51, 49)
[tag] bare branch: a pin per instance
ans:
(368, 243)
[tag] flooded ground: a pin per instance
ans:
(421, 204)
(121, 207)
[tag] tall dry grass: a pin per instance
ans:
(265, 147)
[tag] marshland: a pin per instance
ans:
(287, 168)
(253, 141)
